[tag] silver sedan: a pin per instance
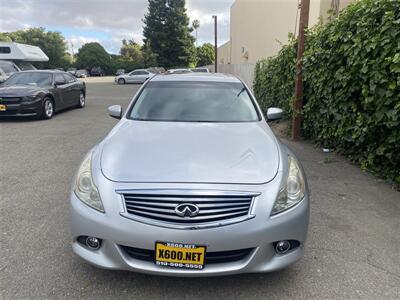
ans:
(136, 76)
(190, 182)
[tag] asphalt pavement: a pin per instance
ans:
(353, 249)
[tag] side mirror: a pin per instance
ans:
(274, 113)
(115, 111)
(57, 83)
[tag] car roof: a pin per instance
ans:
(216, 77)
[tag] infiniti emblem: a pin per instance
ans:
(187, 210)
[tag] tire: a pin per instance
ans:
(47, 109)
(81, 100)
(121, 81)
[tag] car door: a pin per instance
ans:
(133, 77)
(60, 91)
(143, 76)
(72, 90)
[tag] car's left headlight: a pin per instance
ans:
(84, 187)
(30, 98)
(294, 190)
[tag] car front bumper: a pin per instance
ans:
(22, 109)
(258, 233)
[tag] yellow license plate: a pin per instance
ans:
(3, 107)
(180, 255)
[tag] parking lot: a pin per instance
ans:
(353, 250)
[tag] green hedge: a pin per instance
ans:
(274, 79)
(352, 84)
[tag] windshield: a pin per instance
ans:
(199, 70)
(194, 102)
(30, 78)
(8, 67)
(25, 66)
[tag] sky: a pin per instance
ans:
(105, 21)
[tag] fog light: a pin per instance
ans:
(93, 242)
(282, 247)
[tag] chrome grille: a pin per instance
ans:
(212, 207)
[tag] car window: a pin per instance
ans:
(142, 73)
(199, 70)
(59, 78)
(69, 78)
(30, 78)
(194, 102)
(134, 73)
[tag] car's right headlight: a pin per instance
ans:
(294, 190)
(84, 187)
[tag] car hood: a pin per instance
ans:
(19, 90)
(141, 151)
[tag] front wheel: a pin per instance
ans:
(121, 81)
(82, 100)
(47, 109)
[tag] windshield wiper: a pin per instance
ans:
(241, 91)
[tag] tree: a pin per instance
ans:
(131, 51)
(196, 25)
(149, 58)
(51, 42)
(4, 37)
(154, 29)
(205, 54)
(93, 55)
(167, 33)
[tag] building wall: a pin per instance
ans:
(258, 28)
(224, 53)
(245, 72)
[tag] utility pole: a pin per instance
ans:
(72, 49)
(335, 4)
(298, 102)
(215, 45)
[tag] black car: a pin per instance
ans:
(97, 71)
(40, 93)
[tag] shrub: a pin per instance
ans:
(352, 85)
(274, 79)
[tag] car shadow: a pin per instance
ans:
(23, 119)
(184, 287)
(13, 119)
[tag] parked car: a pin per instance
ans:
(136, 76)
(97, 71)
(156, 70)
(40, 93)
(178, 71)
(120, 72)
(7, 68)
(200, 70)
(72, 71)
(82, 73)
(190, 182)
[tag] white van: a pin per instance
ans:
(15, 57)
(7, 68)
